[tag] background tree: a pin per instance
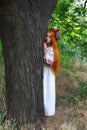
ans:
(71, 17)
(23, 25)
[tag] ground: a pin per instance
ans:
(68, 116)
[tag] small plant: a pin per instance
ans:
(6, 124)
(79, 94)
(2, 89)
(2, 115)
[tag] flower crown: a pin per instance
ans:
(57, 32)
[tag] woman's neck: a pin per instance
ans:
(49, 44)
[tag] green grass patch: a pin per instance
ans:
(2, 116)
(79, 94)
(6, 124)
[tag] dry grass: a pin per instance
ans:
(68, 116)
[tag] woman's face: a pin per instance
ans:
(48, 38)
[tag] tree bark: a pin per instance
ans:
(23, 25)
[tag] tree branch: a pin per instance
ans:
(85, 4)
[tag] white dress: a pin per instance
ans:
(49, 85)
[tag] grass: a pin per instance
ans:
(2, 115)
(6, 124)
(68, 127)
(2, 86)
(79, 94)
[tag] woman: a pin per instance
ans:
(50, 70)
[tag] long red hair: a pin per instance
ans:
(56, 64)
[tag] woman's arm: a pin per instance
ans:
(45, 48)
(49, 57)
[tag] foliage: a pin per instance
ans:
(2, 115)
(70, 17)
(6, 124)
(2, 87)
(79, 94)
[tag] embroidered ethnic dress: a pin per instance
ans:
(49, 83)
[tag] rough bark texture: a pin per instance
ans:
(23, 24)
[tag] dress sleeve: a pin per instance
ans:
(49, 56)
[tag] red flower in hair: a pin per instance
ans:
(56, 29)
(57, 32)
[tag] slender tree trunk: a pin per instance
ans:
(23, 28)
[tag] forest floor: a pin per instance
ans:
(68, 116)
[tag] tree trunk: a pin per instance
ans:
(23, 25)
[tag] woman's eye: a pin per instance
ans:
(48, 36)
